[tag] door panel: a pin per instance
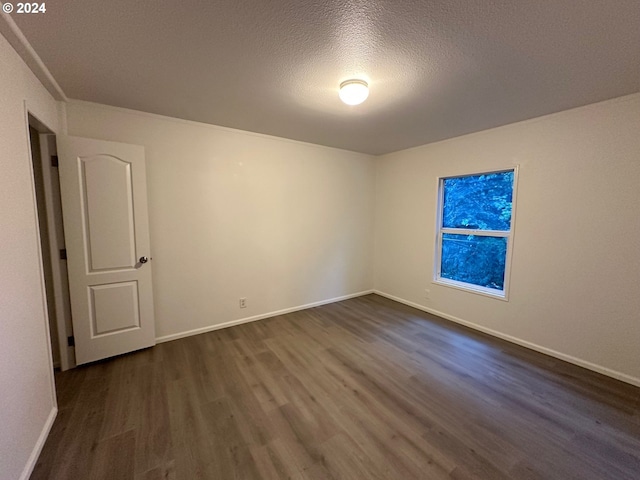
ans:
(104, 207)
(107, 194)
(114, 308)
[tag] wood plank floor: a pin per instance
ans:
(362, 389)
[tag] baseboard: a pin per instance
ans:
(231, 323)
(532, 346)
(33, 458)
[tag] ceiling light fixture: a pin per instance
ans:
(354, 92)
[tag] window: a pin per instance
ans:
(474, 232)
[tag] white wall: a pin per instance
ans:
(27, 401)
(234, 214)
(575, 280)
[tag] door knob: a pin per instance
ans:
(144, 259)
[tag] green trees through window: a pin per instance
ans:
(475, 229)
(474, 259)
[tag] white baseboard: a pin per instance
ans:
(231, 323)
(35, 453)
(532, 346)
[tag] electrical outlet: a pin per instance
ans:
(243, 303)
(427, 294)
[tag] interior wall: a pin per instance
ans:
(234, 214)
(576, 257)
(27, 401)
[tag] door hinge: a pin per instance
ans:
(71, 341)
(63, 254)
(54, 160)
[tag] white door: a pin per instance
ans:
(104, 207)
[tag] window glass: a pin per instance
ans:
(478, 202)
(474, 259)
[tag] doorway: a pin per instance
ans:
(47, 191)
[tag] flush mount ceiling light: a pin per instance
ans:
(354, 92)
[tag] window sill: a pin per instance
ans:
(467, 287)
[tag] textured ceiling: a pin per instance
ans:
(437, 69)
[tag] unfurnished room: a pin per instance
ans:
(323, 240)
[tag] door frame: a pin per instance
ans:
(60, 280)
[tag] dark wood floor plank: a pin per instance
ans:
(271, 465)
(191, 443)
(153, 446)
(121, 408)
(71, 454)
(120, 447)
(361, 389)
(344, 459)
(162, 472)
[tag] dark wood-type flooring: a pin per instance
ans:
(362, 389)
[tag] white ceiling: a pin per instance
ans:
(437, 69)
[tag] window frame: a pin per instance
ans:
(508, 234)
